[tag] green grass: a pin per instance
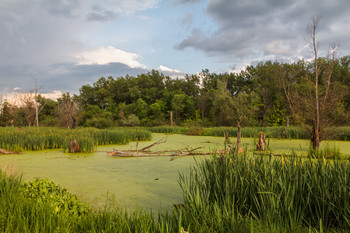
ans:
(285, 194)
(272, 132)
(32, 138)
(230, 193)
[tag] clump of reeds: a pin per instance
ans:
(329, 151)
(251, 132)
(287, 193)
(31, 139)
(168, 129)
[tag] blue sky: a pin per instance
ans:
(65, 44)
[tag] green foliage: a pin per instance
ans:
(178, 105)
(168, 129)
(96, 117)
(41, 138)
(140, 108)
(230, 193)
(217, 97)
(132, 120)
(327, 152)
(195, 131)
(59, 198)
(253, 132)
(286, 194)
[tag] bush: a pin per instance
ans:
(58, 198)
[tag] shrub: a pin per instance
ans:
(63, 202)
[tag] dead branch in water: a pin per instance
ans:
(135, 153)
(145, 152)
(163, 140)
(3, 151)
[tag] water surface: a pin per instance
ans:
(148, 182)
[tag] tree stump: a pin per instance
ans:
(227, 140)
(261, 142)
(74, 146)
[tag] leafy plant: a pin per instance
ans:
(63, 202)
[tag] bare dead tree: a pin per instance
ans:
(27, 104)
(36, 102)
(67, 110)
(313, 94)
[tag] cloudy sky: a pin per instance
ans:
(65, 44)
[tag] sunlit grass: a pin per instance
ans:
(32, 138)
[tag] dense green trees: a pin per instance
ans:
(254, 97)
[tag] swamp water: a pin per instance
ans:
(146, 182)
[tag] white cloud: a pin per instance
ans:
(52, 95)
(109, 54)
(13, 97)
(167, 69)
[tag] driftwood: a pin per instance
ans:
(3, 151)
(132, 153)
(163, 140)
(145, 152)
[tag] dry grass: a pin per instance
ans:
(10, 169)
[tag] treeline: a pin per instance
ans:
(254, 97)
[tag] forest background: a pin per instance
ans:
(254, 97)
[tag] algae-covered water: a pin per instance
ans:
(147, 182)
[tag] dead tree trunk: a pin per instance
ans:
(261, 142)
(171, 118)
(74, 146)
(315, 138)
(239, 134)
(227, 140)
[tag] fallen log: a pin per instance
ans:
(123, 153)
(3, 151)
(163, 140)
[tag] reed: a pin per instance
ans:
(286, 194)
(223, 194)
(31, 139)
(272, 132)
(168, 129)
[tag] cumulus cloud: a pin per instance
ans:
(109, 54)
(268, 27)
(167, 69)
(48, 38)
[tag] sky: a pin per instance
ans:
(65, 44)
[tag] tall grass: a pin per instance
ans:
(31, 138)
(272, 132)
(222, 194)
(291, 132)
(284, 193)
(168, 129)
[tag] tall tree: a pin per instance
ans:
(223, 105)
(316, 93)
(244, 107)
